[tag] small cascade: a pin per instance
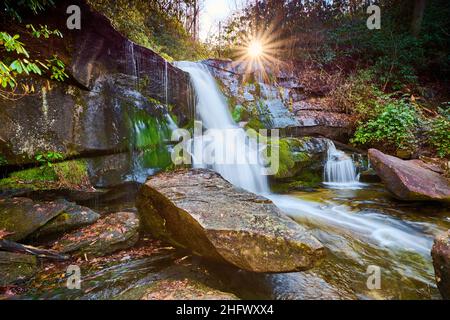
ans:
(166, 84)
(131, 60)
(339, 169)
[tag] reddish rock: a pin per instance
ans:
(409, 180)
(441, 261)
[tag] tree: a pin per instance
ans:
(417, 17)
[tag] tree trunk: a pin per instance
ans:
(416, 22)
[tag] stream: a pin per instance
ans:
(361, 225)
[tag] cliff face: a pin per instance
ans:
(112, 80)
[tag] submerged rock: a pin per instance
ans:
(23, 217)
(199, 210)
(16, 267)
(408, 180)
(114, 232)
(441, 261)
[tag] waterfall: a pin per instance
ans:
(339, 169)
(223, 135)
(212, 110)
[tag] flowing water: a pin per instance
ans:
(339, 170)
(359, 224)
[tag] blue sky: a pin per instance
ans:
(215, 11)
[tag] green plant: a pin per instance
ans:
(57, 68)
(393, 126)
(46, 159)
(43, 31)
(439, 136)
(3, 160)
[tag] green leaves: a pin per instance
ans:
(43, 31)
(394, 126)
(46, 159)
(439, 135)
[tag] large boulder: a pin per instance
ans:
(441, 261)
(112, 82)
(199, 210)
(409, 179)
(23, 217)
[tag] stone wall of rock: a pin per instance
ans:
(110, 77)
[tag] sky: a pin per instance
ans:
(215, 11)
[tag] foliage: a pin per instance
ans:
(439, 135)
(16, 60)
(393, 126)
(15, 8)
(46, 159)
(154, 26)
(3, 160)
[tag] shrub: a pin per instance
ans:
(394, 127)
(439, 136)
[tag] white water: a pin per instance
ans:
(223, 137)
(379, 229)
(339, 170)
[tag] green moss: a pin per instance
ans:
(71, 172)
(64, 174)
(35, 174)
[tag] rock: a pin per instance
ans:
(16, 267)
(199, 210)
(369, 176)
(24, 217)
(409, 181)
(114, 232)
(186, 289)
(441, 262)
(72, 217)
(91, 112)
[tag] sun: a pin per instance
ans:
(255, 49)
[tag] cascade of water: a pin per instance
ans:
(132, 60)
(339, 168)
(212, 109)
(223, 135)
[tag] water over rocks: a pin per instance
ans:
(199, 210)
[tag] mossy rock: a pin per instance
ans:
(67, 174)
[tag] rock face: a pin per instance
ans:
(408, 180)
(283, 104)
(441, 261)
(112, 81)
(23, 217)
(16, 267)
(114, 232)
(199, 210)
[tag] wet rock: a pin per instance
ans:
(114, 232)
(174, 289)
(409, 181)
(86, 114)
(22, 216)
(441, 262)
(72, 217)
(199, 210)
(369, 176)
(16, 267)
